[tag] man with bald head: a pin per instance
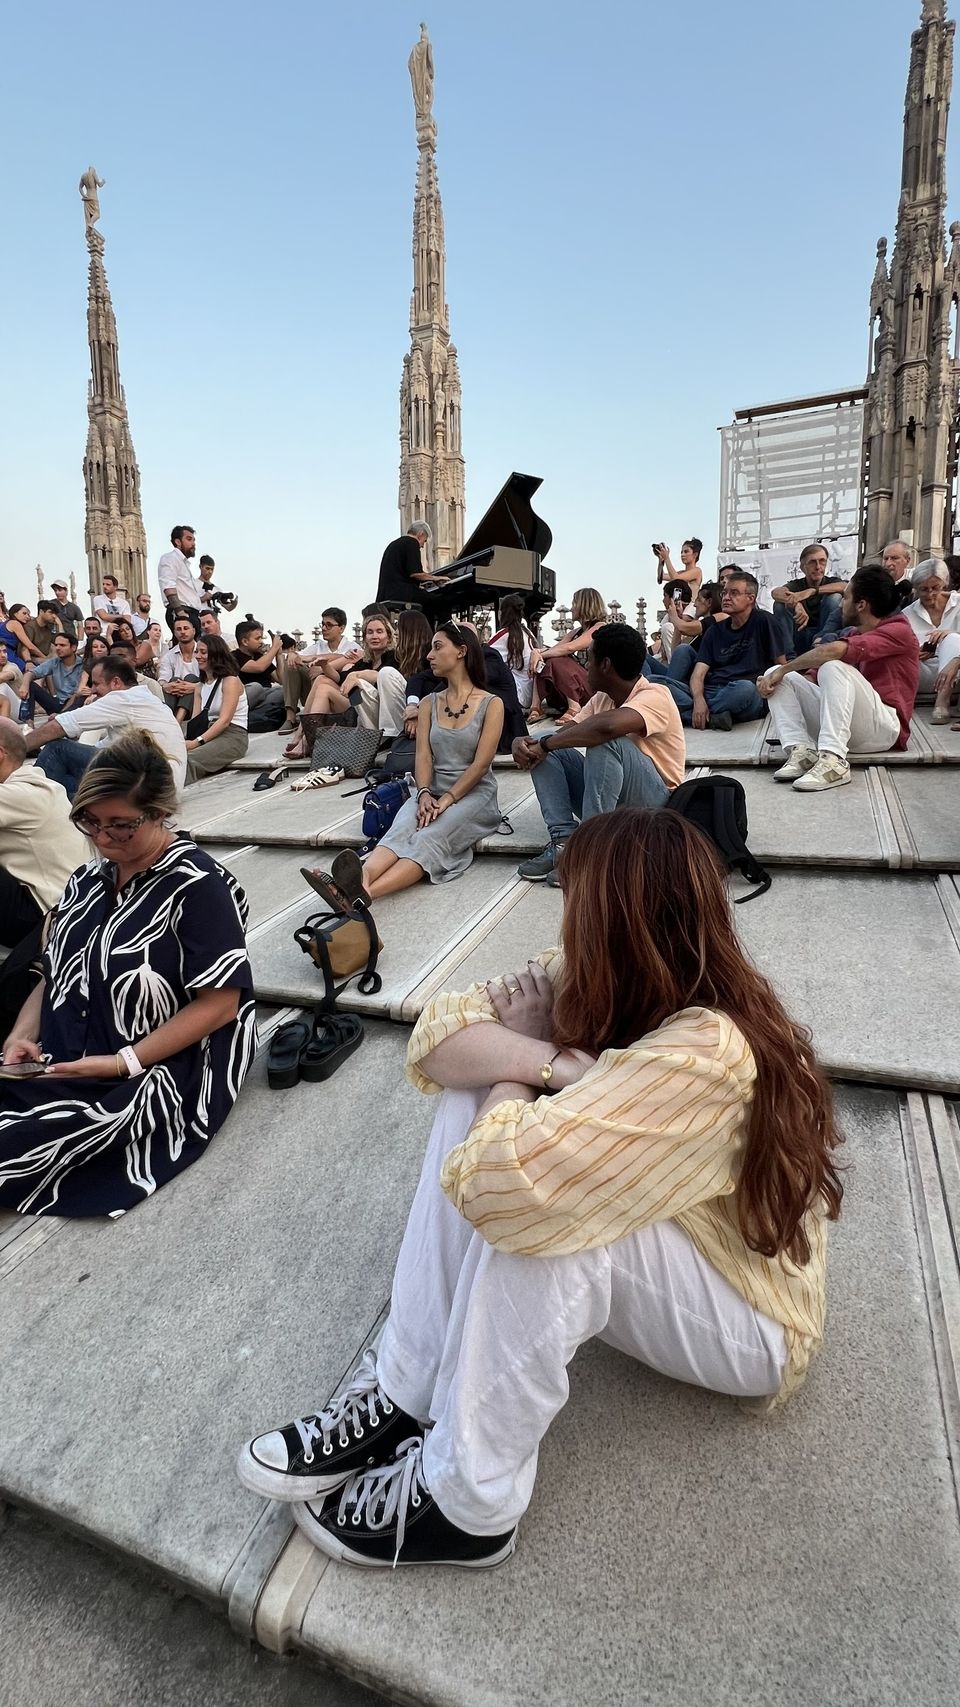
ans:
(898, 562)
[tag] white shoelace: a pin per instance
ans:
(387, 1492)
(363, 1393)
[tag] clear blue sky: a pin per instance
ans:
(654, 215)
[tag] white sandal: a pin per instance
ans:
(323, 778)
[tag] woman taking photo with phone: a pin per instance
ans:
(143, 1023)
(634, 1145)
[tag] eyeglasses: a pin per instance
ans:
(119, 832)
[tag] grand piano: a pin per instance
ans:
(504, 554)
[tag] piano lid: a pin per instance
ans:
(510, 520)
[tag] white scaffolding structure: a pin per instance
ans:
(791, 470)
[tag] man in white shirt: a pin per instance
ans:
(180, 588)
(178, 671)
(303, 667)
(122, 703)
(110, 604)
(141, 618)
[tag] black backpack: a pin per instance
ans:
(717, 805)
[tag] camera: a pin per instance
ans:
(221, 601)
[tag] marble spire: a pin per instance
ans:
(114, 535)
(913, 382)
(431, 458)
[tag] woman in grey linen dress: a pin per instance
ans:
(456, 803)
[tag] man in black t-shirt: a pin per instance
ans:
(402, 573)
(809, 603)
(723, 685)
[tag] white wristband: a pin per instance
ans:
(131, 1061)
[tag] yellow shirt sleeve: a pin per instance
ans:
(449, 1012)
(649, 1132)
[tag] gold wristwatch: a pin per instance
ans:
(546, 1071)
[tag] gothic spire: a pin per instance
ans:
(114, 536)
(913, 383)
(431, 461)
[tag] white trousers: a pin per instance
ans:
(947, 650)
(383, 702)
(838, 713)
(478, 1342)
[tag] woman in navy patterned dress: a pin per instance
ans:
(145, 1008)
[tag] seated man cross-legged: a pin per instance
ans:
(810, 604)
(863, 697)
(633, 745)
(722, 690)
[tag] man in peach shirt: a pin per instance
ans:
(632, 740)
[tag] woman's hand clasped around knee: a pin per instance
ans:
(524, 1002)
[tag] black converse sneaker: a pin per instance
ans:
(387, 1517)
(312, 1455)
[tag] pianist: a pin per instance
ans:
(402, 575)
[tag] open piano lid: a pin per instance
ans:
(510, 520)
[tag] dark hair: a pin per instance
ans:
(750, 580)
(953, 564)
(18, 605)
(124, 646)
(473, 659)
(87, 658)
(650, 879)
(204, 561)
(623, 647)
(220, 659)
(678, 589)
(179, 531)
(62, 634)
(696, 546)
(133, 767)
(815, 545)
(413, 636)
(512, 614)
(47, 604)
(874, 588)
(244, 628)
(184, 616)
(710, 590)
(116, 667)
(116, 632)
(339, 616)
(113, 578)
(95, 619)
(728, 569)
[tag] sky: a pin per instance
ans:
(654, 215)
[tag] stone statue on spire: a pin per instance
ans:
(420, 66)
(90, 184)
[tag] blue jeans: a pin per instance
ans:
(679, 669)
(796, 640)
(64, 762)
(572, 785)
(741, 699)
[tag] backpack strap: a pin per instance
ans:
(735, 849)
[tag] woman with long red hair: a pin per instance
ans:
(634, 1142)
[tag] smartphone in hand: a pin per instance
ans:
(22, 1069)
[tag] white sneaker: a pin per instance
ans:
(801, 760)
(830, 771)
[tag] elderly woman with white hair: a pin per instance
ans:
(934, 617)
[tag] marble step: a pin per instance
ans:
(890, 819)
(818, 941)
(147, 1349)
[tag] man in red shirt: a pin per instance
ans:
(863, 697)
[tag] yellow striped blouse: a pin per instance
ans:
(651, 1133)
